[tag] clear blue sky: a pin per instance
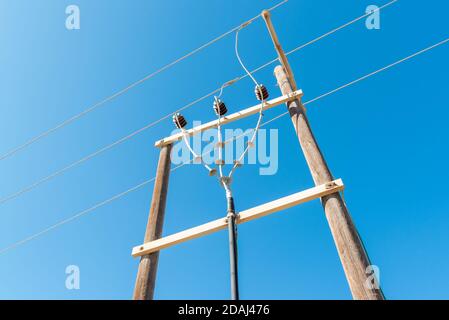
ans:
(385, 137)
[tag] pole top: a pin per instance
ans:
(265, 14)
(279, 68)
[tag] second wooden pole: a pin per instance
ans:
(352, 253)
(146, 275)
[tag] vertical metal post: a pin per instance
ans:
(146, 275)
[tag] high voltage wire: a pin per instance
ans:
(122, 194)
(82, 213)
(190, 104)
(92, 155)
(126, 89)
(342, 27)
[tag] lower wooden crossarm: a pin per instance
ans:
(244, 216)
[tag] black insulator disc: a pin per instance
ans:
(220, 107)
(261, 92)
(179, 120)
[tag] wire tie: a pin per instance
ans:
(231, 82)
(245, 24)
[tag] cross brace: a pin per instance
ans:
(244, 216)
(231, 118)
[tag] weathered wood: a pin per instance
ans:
(146, 275)
(245, 216)
(352, 254)
(277, 45)
(230, 118)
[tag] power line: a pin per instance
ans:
(190, 104)
(80, 214)
(341, 27)
(369, 75)
(126, 89)
(259, 93)
(92, 155)
(84, 212)
(382, 69)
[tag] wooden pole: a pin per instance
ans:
(146, 275)
(350, 248)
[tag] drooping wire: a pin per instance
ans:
(262, 105)
(190, 104)
(196, 157)
(236, 49)
(25, 240)
(126, 89)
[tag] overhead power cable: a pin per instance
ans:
(169, 115)
(259, 90)
(126, 89)
(120, 195)
(342, 27)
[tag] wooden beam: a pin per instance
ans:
(231, 118)
(245, 216)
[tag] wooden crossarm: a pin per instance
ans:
(231, 118)
(244, 216)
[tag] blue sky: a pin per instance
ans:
(385, 137)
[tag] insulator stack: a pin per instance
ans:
(220, 107)
(179, 120)
(261, 92)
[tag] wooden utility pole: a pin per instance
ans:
(352, 253)
(146, 275)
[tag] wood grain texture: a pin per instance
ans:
(146, 274)
(352, 253)
(244, 216)
(266, 15)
